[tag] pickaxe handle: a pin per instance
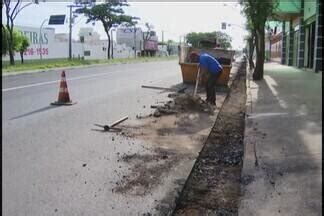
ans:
(118, 122)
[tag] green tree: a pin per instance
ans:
(109, 14)
(222, 38)
(12, 9)
(21, 44)
(257, 13)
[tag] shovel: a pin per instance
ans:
(197, 81)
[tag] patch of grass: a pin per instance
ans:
(57, 63)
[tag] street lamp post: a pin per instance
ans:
(40, 41)
(162, 41)
(70, 29)
(134, 41)
(70, 34)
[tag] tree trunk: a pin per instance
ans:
(10, 47)
(22, 57)
(107, 32)
(260, 52)
(108, 45)
(251, 51)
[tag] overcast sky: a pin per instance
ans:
(174, 18)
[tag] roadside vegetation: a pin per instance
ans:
(58, 63)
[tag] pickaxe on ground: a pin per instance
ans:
(108, 127)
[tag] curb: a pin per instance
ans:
(250, 161)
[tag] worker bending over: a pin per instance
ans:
(212, 68)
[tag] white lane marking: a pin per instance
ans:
(51, 82)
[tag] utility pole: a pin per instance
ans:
(70, 29)
(41, 36)
(112, 44)
(70, 33)
(134, 41)
(162, 40)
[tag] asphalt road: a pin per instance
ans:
(53, 162)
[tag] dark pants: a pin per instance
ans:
(211, 88)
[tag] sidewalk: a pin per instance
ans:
(282, 167)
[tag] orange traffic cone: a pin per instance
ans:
(63, 97)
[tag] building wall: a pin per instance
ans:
(98, 50)
(274, 40)
(309, 9)
(303, 36)
(276, 47)
(289, 6)
(54, 46)
(46, 45)
(126, 36)
(123, 51)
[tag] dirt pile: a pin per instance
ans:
(182, 103)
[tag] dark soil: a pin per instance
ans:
(213, 186)
(147, 171)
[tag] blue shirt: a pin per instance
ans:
(210, 63)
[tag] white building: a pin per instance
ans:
(131, 37)
(95, 48)
(134, 37)
(87, 34)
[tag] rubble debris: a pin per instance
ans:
(172, 95)
(156, 113)
(182, 103)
